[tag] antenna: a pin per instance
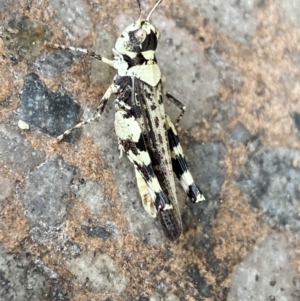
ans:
(139, 3)
(153, 9)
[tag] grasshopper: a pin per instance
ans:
(146, 134)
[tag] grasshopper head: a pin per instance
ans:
(135, 51)
(138, 37)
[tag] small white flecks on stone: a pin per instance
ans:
(23, 125)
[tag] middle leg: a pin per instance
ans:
(179, 104)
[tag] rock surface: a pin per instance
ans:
(72, 226)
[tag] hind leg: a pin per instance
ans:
(180, 167)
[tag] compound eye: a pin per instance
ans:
(140, 35)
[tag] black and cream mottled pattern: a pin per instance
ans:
(159, 151)
(180, 167)
(143, 138)
(145, 133)
(133, 145)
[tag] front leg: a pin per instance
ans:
(113, 89)
(82, 50)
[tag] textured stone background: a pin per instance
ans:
(71, 223)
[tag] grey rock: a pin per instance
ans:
(240, 133)
(291, 9)
(25, 37)
(51, 113)
(236, 19)
(16, 151)
(96, 231)
(55, 63)
(28, 279)
(98, 272)
(77, 22)
(45, 191)
(267, 271)
(270, 179)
